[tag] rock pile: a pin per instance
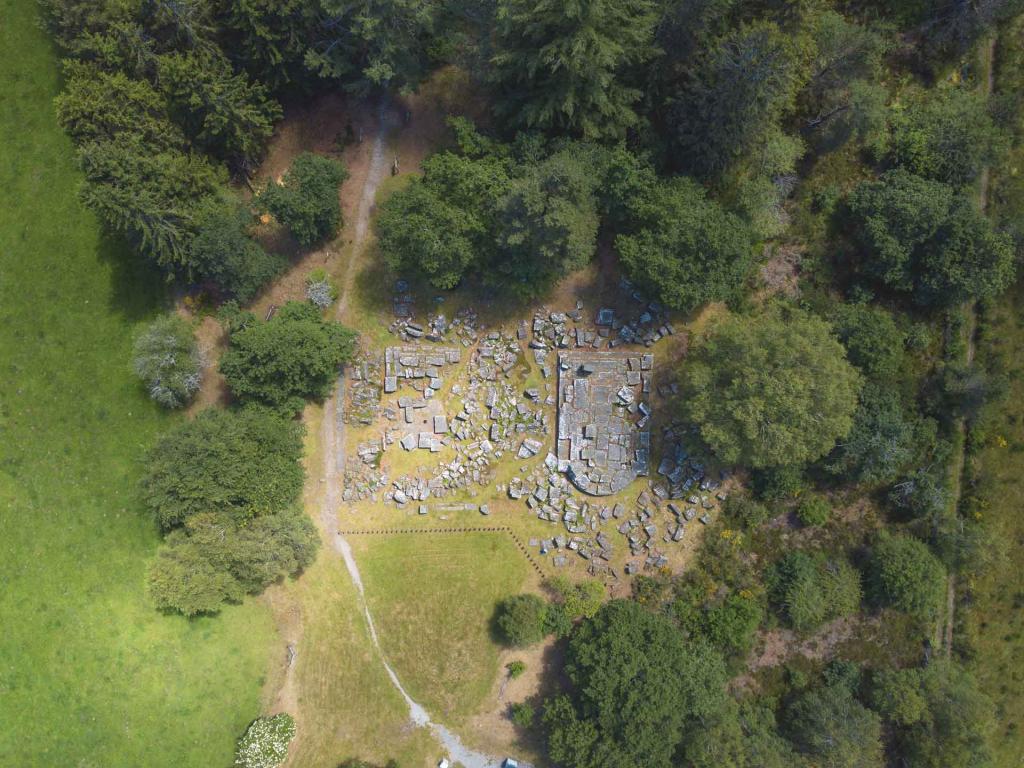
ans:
(363, 394)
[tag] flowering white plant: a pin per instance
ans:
(265, 744)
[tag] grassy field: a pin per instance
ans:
(432, 597)
(90, 674)
(995, 623)
(347, 706)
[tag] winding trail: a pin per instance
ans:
(333, 440)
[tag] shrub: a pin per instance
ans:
(521, 619)
(167, 360)
(904, 574)
(522, 714)
(730, 624)
(265, 743)
(320, 291)
(557, 621)
(813, 510)
(779, 483)
(896, 695)
(306, 201)
(810, 589)
(745, 510)
(515, 668)
(580, 601)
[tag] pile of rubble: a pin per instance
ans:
(472, 466)
(422, 369)
(363, 481)
(683, 473)
(363, 394)
(463, 329)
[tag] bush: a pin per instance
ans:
(167, 360)
(281, 363)
(779, 483)
(557, 621)
(306, 201)
(904, 574)
(579, 601)
(813, 510)
(265, 743)
(810, 589)
(320, 291)
(521, 619)
(515, 668)
(874, 342)
(522, 714)
(896, 695)
(730, 624)
(746, 511)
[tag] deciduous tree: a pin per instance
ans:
(306, 201)
(684, 248)
(770, 391)
(636, 683)
(243, 463)
(294, 357)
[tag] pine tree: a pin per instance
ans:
(561, 66)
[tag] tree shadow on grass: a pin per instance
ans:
(553, 682)
(138, 288)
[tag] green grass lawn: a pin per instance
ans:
(432, 597)
(90, 674)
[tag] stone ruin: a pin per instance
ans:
(420, 368)
(604, 441)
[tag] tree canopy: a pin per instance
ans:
(306, 199)
(245, 463)
(946, 134)
(293, 357)
(564, 66)
(547, 222)
(738, 95)
(770, 390)
(520, 619)
(225, 487)
(684, 248)
(922, 237)
(636, 682)
(834, 729)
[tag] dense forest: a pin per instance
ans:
(697, 140)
